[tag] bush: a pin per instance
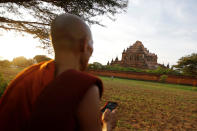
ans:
(3, 85)
(41, 58)
(119, 68)
(161, 71)
(163, 78)
(157, 71)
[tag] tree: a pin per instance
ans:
(168, 66)
(40, 58)
(13, 14)
(5, 63)
(95, 65)
(187, 65)
(108, 63)
(21, 61)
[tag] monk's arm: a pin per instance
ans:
(89, 111)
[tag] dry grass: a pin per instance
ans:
(152, 106)
(9, 73)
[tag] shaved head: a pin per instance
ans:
(69, 29)
(72, 41)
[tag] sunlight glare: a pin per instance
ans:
(13, 45)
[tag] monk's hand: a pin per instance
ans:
(109, 119)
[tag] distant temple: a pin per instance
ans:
(137, 56)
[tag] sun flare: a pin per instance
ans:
(13, 45)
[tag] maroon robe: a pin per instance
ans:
(55, 108)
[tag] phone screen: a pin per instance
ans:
(109, 105)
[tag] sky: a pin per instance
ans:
(167, 28)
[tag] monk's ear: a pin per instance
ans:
(82, 45)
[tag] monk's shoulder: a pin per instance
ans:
(84, 78)
(82, 75)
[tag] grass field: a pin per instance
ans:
(152, 106)
(9, 73)
(146, 105)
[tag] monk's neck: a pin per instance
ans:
(66, 63)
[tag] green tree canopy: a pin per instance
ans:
(95, 65)
(34, 16)
(188, 65)
(40, 58)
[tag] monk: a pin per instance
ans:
(58, 94)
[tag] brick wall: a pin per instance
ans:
(148, 77)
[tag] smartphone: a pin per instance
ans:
(109, 105)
